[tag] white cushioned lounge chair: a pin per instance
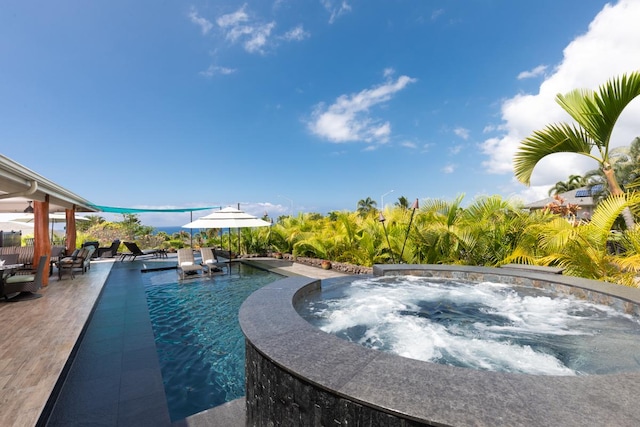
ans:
(186, 262)
(210, 261)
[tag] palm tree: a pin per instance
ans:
(574, 182)
(596, 114)
(583, 250)
(402, 202)
(366, 206)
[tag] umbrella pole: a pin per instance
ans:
(229, 262)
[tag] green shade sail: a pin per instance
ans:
(112, 209)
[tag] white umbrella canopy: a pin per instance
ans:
(55, 217)
(227, 218)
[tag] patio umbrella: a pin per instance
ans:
(228, 217)
(54, 218)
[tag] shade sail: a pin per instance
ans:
(113, 209)
(227, 218)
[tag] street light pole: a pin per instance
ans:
(382, 199)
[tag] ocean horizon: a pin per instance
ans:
(170, 229)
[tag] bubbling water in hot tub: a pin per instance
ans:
(486, 326)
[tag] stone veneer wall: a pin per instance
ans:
(274, 394)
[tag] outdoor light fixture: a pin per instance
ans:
(382, 220)
(29, 209)
(413, 211)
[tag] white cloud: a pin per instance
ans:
(335, 10)
(258, 37)
(436, 14)
(538, 71)
(233, 19)
(608, 49)
(215, 69)
(450, 168)
(204, 24)
(348, 119)
(255, 36)
(456, 149)
(296, 34)
(462, 132)
(408, 144)
(388, 73)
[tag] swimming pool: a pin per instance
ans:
(199, 342)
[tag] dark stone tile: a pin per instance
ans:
(150, 410)
(93, 402)
(119, 337)
(140, 383)
(99, 333)
(135, 360)
(88, 366)
(109, 312)
(107, 417)
(106, 318)
(137, 341)
(138, 327)
(97, 347)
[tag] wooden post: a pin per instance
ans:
(41, 242)
(71, 230)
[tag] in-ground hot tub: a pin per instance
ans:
(299, 375)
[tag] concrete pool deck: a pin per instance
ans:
(118, 384)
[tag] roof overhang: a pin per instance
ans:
(19, 185)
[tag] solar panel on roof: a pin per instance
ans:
(582, 193)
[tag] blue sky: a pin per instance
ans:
(305, 105)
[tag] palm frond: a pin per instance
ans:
(555, 138)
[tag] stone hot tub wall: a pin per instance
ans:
(299, 375)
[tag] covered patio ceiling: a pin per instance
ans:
(19, 185)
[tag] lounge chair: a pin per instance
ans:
(95, 245)
(186, 262)
(210, 261)
(109, 251)
(25, 285)
(80, 259)
(135, 251)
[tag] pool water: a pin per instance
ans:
(484, 326)
(198, 338)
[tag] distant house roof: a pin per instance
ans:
(580, 196)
